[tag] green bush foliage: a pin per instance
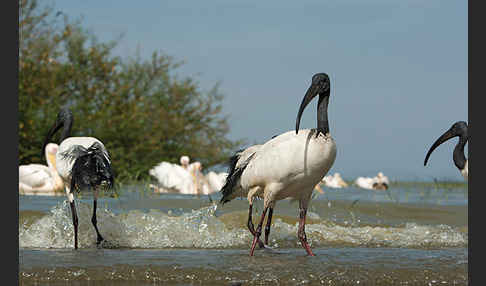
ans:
(142, 112)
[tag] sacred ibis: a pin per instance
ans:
(289, 165)
(82, 163)
(458, 129)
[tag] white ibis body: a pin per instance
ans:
(82, 163)
(41, 179)
(289, 165)
(458, 129)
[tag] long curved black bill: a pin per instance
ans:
(312, 91)
(446, 136)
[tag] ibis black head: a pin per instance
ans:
(64, 115)
(64, 119)
(320, 86)
(457, 129)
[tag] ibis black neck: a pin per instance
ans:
(458, 154)
(322, 120)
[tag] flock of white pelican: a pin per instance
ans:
(189, 179)
(290, 165)
(186, 178)
(379, 182)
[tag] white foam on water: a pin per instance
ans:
(411, 235)
(134, 229)
(202, 229)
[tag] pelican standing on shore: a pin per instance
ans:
(289, 165)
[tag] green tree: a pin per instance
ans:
(141, 111)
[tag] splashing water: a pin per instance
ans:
(202, 228)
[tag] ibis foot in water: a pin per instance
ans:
(107, 244)
(99, 241)
(301, 231)
(252, 228)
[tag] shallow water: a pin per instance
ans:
(407, 235)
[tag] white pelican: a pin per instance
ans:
(184, 160)
(172, 178)
(458, 129)
(82, 163)
(205, 184)
(379, 182)
(334, 181)
(287, 166)
(197, 178)
(41, 179)
(184, 179)
(364, 182)
(216, 180)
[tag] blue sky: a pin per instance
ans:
(398, 69)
